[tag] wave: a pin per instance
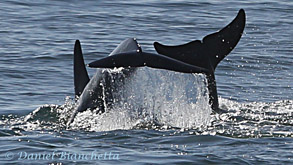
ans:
(162, 100)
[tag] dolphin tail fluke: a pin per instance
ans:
(211, 50)
(81, 77)
(141, 59)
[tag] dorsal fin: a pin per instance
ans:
(126, 46)
(81, 77)
(211, 50)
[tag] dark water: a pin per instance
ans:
(254, 83)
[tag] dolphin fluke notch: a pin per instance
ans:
(211, 50)
(81, 77)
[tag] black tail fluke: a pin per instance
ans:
(140, 59)
(211, 50)
(81, 77)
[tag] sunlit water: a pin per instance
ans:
(159, 117)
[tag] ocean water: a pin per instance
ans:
(175, 125)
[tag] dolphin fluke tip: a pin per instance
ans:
(77, 42)
(241, 13)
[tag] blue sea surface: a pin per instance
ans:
(37, 92)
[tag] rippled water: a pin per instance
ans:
(164, 117)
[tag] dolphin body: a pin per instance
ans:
(193, 57)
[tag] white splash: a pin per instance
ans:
(153, 96)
